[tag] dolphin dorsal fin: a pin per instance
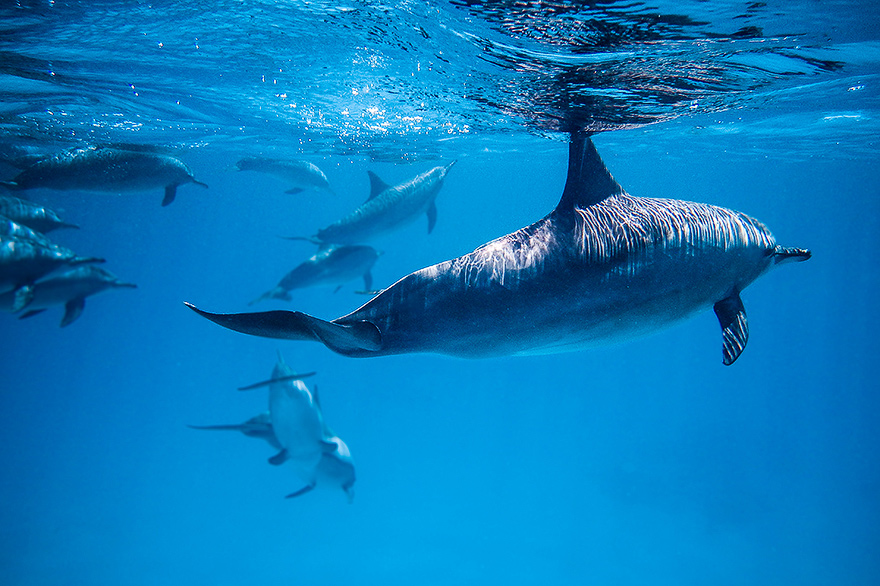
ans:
(377, 186)
(588, 181)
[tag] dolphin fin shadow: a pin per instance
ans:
(357, 338)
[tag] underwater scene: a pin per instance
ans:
(432, 293)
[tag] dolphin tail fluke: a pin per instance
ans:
(22, 297)
(355, 339)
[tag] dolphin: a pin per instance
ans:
(69, 288)
(299, 432)
(387, 208)
(32, 215)
(602, 267)
(301, 175)
(106, 168)
(331, 265)
(23, 261)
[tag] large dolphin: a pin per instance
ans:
(30, 214)
(602, 267)
(106, 168)
(303, 438)
(300, 175)
(331, 265)
(69, 288)
(388, 208)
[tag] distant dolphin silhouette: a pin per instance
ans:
(603, 266)
(331, 265)
(106, 168)
(386, 209)
(301, 175)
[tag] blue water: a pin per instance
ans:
(642, 463)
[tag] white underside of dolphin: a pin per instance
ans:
(602, 267)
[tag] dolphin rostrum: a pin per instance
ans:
(387, 208)
(107, 168)
(301, 175)
(331, 265)
(603, 266)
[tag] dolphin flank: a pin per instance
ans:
(602, 267)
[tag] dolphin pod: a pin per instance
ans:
(106, 168)
(602, 267)
(294, 425)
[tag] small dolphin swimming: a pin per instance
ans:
(118, 168)
(331, 265)
(602, 267)
(300, 175)
(32, 215)
(295, 426)
(25, 260)
(387, 208)
(69, 288)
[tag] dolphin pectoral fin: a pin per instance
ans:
(368, 281)
(72, 310)
(328, 447)
(280, 379)
(356, 338)
(432, 216)
(734, 327)
(294, 190)
(31, 313)
(170, 193)
(301, 491)
(279, 458)
(22, 298)
(231, 427)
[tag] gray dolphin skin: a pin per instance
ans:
(602, 267)
(331, 265)
(32, 215)
(23, 261)
(388, 208)
(106, 168)
(300, 175)
(294, 424)
(69, 288)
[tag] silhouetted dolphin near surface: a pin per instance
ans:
(106, 168)
(69, 288)
(387, 208)
(602, 267)
(301, 175)
(331, 265)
